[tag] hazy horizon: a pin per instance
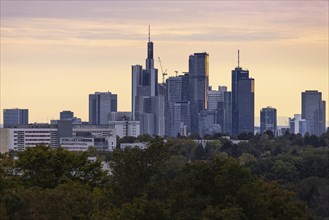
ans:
(53, 54)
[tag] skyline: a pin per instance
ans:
(47, 48)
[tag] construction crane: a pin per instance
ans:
(164, 73)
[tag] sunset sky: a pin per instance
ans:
(55, 53)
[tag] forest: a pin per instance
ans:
(265, 177)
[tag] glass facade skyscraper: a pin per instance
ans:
(313, 111)
(243, 94)
(268, 119)
(101, 104)
(198, 87)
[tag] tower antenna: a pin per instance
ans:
(238, 58)
(149, 34)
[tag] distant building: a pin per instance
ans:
(176, 92)
(313, 111)
(297, 125)
(15, 116)
(268, 119)
(198, 87)
(101, 104)
(123, 124)
(208, 123)
(66, 115)
(216, 96)
(243, 95)
(181, 122)
(147, 102)
(78, 137)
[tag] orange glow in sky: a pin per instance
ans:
(53, 54)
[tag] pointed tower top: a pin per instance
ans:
(149, 34)
(238, 58)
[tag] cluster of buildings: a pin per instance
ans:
(182, 105)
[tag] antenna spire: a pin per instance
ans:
(238, 58)
(149, 34)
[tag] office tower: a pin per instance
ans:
(215, 96)
(176, 92)
(198, 87)
(313, 111)
(147, 102)
(228, 113)
(101, 104)
(268, 119)
(66, 115)
(15, 116)
(208, 123)
(297, 125)
(242, 101)
(181, 122)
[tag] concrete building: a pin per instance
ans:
(313, 111)
(126, 128)
(268, 119)
(15, 116)
(243, 94)
(101, 104)
(4, 140)
(22, 136)
(104, 135)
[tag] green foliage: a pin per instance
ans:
(176, 179)
(44, 167)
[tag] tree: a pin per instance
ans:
(44, 167)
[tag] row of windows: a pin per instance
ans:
(33, 131)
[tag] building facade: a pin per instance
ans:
(243, 94)
(268, 119)
(313, 111)
(15, 116)
(101, 104)
(198, 87)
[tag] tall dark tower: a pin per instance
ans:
(149, 59)
(243, 102)
(198, 87)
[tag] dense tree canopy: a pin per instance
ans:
(171, 179)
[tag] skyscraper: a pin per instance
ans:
(297, 125)
(101, 104)
(147, 103)
(198, 87)
(268, 119)
(242, 101)
(15, 116)
(176, 92)
(313, 111)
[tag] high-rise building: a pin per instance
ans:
(198, 87)
(297, 125)
(147, 103)
(66, 115)
(101, 104)
(176, 92)
(243, 94)
(268, 119)
(15, 116)
(313, 111)
(181, 122)
(215, 96)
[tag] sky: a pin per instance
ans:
(55, 53)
